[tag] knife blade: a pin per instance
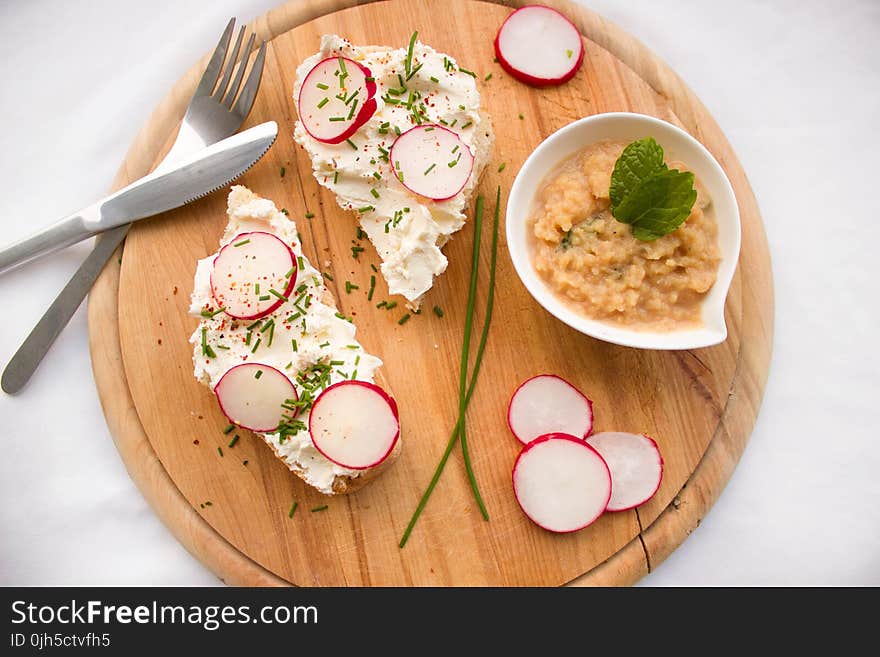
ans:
(188, 179)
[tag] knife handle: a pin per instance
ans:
(69, 230)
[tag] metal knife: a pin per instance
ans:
(165, 189)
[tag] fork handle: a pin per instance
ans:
(28, 357)
(69, 230)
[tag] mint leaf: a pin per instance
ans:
(639, 161)
(659, 205)
(646, 194)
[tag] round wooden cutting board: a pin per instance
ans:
(700, 405)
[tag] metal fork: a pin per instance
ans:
(215, 112)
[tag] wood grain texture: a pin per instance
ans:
(689, 400)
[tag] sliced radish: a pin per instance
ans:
(251, 395)
(354, 424)
(561, 483)
(252, 275)
(546, 404)
(539, 46)
(635, 464)
(336, 98)
(432, 161)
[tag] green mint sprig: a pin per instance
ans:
(652, 198)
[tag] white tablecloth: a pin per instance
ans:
(794, 85)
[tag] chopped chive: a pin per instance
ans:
(229, 429)
(521, 116)
(429, 169)
(247, 340)
(323, 344)
(390, 305)
(258, 374)
(277, 294)
(455, 149)
(467, 72)
(502, 167)
(335, 177)
(414, 71)
(336, 363)
(369, 78)
(290, 272)
(352, 346)
(381, 304)
(569, 53)
(438, 311)
(351, 111)
(283, 171)
(487, 78)
(220, 451)
(373, 267)
(323, 102)
(233, 441)
(377, 175)
(390, 101)
(319, 508)
(242, 243)
(256, 345)
(337, 118)
(294, 345)
(366, 208)
(222, 346)
(403, 320)
(209, 314)
(293, 317)
(289, 365)
(328, 276)
(292, 509)
(322, 86)
(467, 125)
(356, 251)
(434, 80)
(372, 287)
(397, 130)
(254, 325)
(351, 143)
(374, 192)
(429, 128)
(265, 297)
(349, 286)
(256, 288)
(409, 52)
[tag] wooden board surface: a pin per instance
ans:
(700, 405)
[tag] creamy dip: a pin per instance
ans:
(593, 262)
(407, 230)
(320, 336)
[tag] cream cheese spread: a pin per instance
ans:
(318, 344)
(407, 230)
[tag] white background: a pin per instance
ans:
(795, 86)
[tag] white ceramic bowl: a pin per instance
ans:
(678, 145)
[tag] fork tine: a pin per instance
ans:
(246, 100)
(230, 64)
(242, 65)
(212, 71)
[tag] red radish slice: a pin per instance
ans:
(432, 161)
(251, 395)
(561, 483)
(336, 98)
(539, 46)
(546, 404)
(635, 464)
(354, 424)
(252, 275)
